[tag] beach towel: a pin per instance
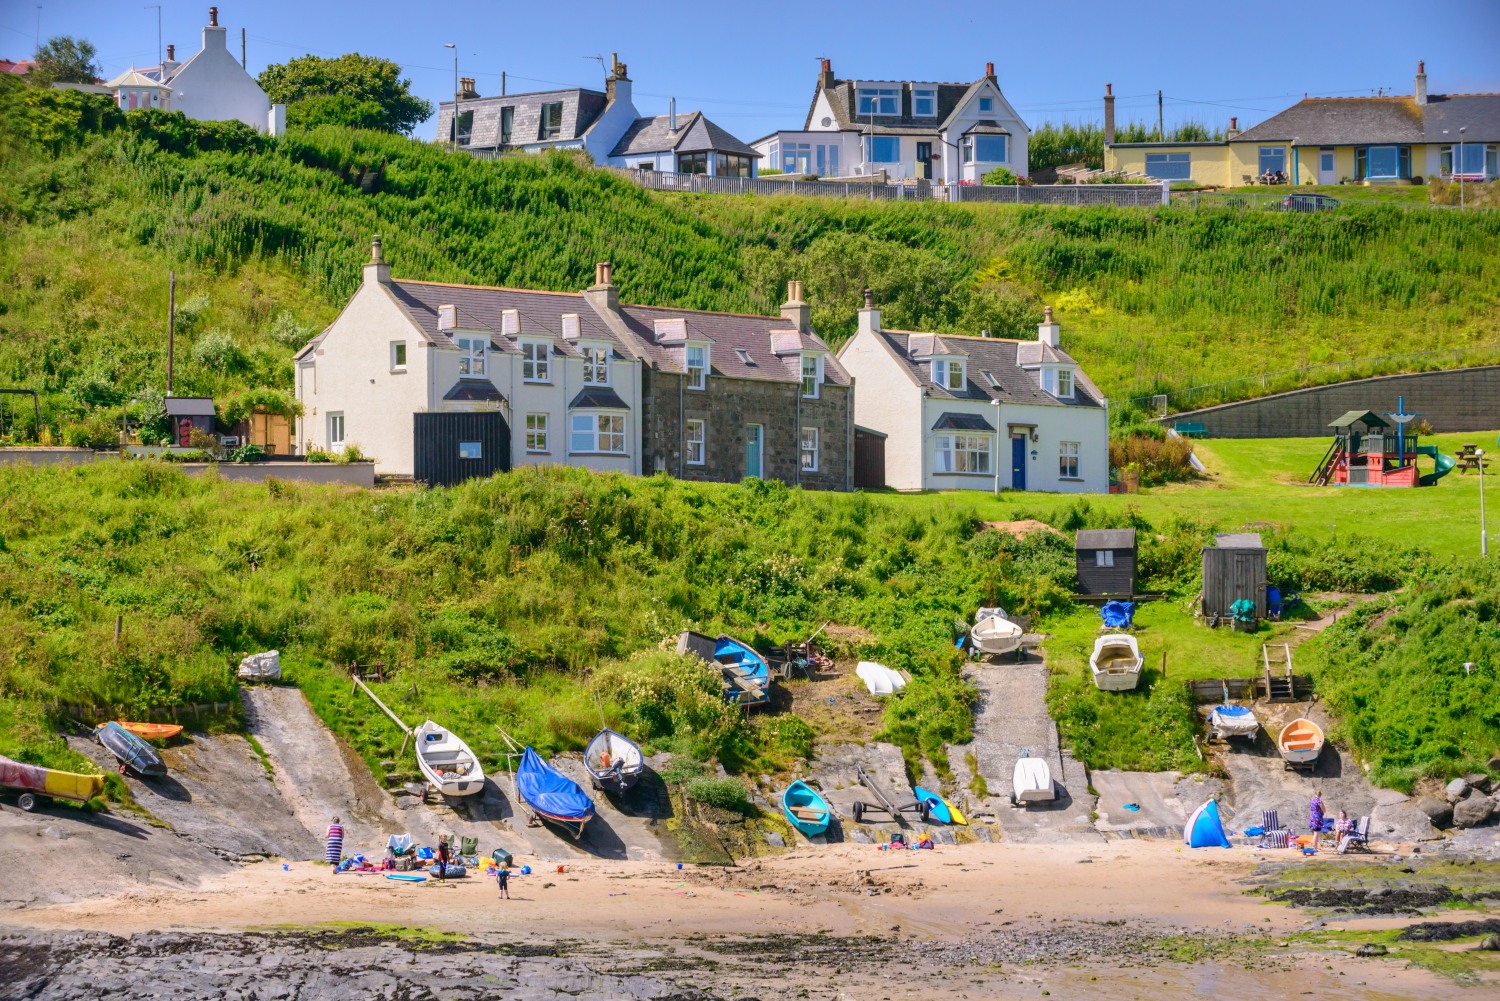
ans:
(335, 849)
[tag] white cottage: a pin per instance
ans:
(210, 85)
(946, 132)
(978, 413)
(543, 366)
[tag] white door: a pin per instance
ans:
(1326, 172)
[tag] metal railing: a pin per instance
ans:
(1308, 376)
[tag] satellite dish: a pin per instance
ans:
(827, 121)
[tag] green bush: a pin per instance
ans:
(318, 455)
(97, 430)
(217, 351)
(248, 452)
(726, 794)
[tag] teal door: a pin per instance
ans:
(1018, 462)
(754, 435)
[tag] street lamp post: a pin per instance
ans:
(1484, 538)
(996, 405)
(453, 144)
(1461, 130)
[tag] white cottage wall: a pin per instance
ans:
(213, 86)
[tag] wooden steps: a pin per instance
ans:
(1281, 686)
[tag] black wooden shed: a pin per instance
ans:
(869, 458)
(453, 447)
(1106, 561)
(1234, 568)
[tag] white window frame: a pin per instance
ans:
(1065, 384)
(921, 94)
(962, 452)
(987, 104)
(878, 100)
(337, 431)
(1069, 464)
(1104, 557)
(1004, 148)
(812, 381)
(869, 146)
(472, 358)
(595, 365)
(697, 441)
(536, 434)
(398, 356)
(944, 370)
(598, 432)
(697, 375)
(808, 443)
(536, 361)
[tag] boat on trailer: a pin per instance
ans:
(993, 632)
(614, 761)
(1116, 662)
(1232, 721)
(446, 761)
(1300, 743)
(36, 782)
(551, 795)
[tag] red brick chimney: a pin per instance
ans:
(989, 70)
(825, 76)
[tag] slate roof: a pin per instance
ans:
(729, 334)
(189, 406)
(841, 98)
(598, 398)
(481, 307)
(962, 422)
(694, 134)
(994, 370)
(1105, 538)
(1478, 113)
(581, 108)
(475, 390)
(1341, 121)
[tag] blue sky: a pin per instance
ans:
(752, 67)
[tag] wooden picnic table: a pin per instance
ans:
(1468, 458)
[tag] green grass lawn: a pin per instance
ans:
(1262, 484)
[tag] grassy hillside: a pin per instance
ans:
(267, 238)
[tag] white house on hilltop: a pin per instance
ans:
(978, 413)
(946, 132)
(210, 86)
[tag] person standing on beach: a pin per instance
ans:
(1315, 816)
(502, 879)
(334, 852)
(442, 856)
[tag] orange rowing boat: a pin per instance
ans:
(153, 731)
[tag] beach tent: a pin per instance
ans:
(1204, 829)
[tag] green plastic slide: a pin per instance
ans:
(1444, 464)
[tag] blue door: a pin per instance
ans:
(753, 434)
(1018, 462)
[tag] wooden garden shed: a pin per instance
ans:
(1234, 568)
(1106, 561)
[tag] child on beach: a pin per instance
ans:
(502, 879)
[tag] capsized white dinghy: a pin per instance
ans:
(994, 633)
(1116, 662)
(1032, 781)
(879, 679)
(446, 761)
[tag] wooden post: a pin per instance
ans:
(1164, 663)
(119, 623)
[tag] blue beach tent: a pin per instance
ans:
(1204, 829)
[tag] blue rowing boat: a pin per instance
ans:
(747, 676)
(133, 752)
(806, 808)
(551, 795)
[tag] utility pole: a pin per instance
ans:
(157, 7)
(1161, 134)
(242, 49)
(38, 47)
(453, 143)
(171, 324)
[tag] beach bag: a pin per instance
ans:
(468, 846)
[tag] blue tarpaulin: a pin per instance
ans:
(1117, 614)
(549, 791)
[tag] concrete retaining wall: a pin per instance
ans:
(1463, 399)
(46, 456)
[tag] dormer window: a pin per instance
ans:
(696, 362)
(536, 361)
(924, 103)
(879, 100)
(949, 374)
(1065, 383)
(595, 365)
(812, 375)
(471, 360)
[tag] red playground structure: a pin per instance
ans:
(1367, 451)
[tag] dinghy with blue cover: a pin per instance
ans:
(747, 676)
(1204, 828)
(805, 807)
(1232, 721)
(551, 795)
(133, 752)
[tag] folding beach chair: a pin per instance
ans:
(1273, 835)
(398, 845)
(1357, 838)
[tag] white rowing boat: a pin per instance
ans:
(994, 633)
(880, 680)
(1032, 781)
(613, 760)
(446, 761)
(1116, 662)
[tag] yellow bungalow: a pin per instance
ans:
(1335, 140)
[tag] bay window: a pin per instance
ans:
(604, 433)
(1469, 159)
(990, 149)
(962, 453)
(1382, 162)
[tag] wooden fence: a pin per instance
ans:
(193, 712)
(1213, 689)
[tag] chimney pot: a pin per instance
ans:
(376, 253)
(1109, 90)
(171, 53)
(1047, 314)
(989, 69)
(828, 66)
(1234, 123)
(213, 17)
(1421, 66)
(869, 299)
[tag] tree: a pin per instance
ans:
(65, 59)
(362, 91)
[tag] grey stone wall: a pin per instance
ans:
(726, 408)
(1465, 399)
